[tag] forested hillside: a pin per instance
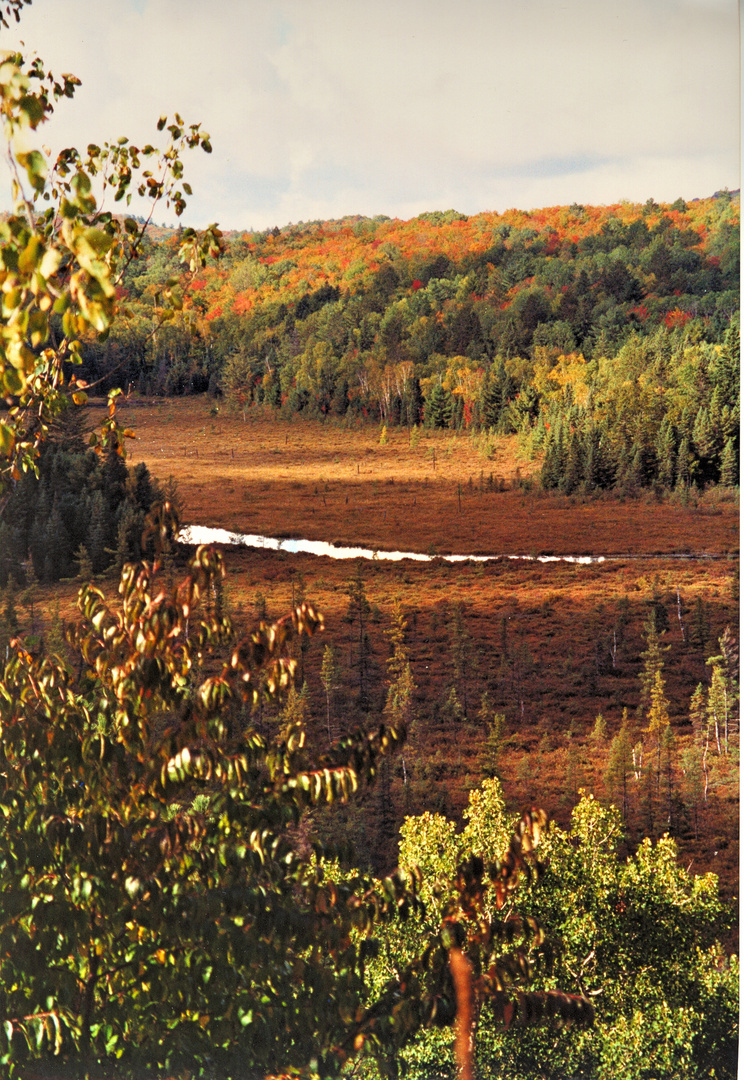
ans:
(606, 336)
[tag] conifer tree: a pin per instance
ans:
(438, 406)
(729, 465)
(693, 788)
(97, 540)
(699, 628)
(683, 476)
(357, 615)
(330, 676)
(459, 651)
(399, 704)
(698, 715)
(575, 466)
(620, 766)
(451, 712)
(668, 747)
(653, 659)
(493, 746)
(85, 565)
(666, 458)
(658, 720)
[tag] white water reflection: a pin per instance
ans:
(202, 534)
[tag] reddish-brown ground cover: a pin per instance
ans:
(539, 637)
(304, 478)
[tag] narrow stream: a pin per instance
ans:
(202, 534)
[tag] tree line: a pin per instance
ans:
(607, 337)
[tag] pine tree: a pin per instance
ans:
(98, 530)
(700, 721)
(698, 715)
(10, 615)
(451, 713)
(658, 720)
(28, 596)
(699, 628)
(493, 746)
(653, 660)
(620, 766)
(125, 536)
(55, 638)
(575, 465)
(459, 651)
(330, 676)
(729, 465)
(85, 566)
(667, 771)
(694, 790)
(683, 477)
(599, 731)
(399, 704)
(666, 457)
(296, 710)
(438, 406)
(357, 615)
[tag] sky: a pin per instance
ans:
(322, 108)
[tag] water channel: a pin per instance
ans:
(202, 534)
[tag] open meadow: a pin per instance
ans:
(552, 645)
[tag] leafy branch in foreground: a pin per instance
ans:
(156, 908)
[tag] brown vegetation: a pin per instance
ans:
(337, 483)
(552, 645)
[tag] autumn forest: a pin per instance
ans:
(288, 805)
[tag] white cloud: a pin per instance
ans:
(319, 108)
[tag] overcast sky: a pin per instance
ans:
(321, 108)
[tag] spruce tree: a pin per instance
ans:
(729, 465)
(575, 465)
(493, 746)
(438, 406)
(683, 477)
(357, 615)
(97, 540)
(658, 720)
(620, 766)
(330, 676)
(653, 660)
(666, 458)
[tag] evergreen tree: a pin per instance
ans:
(330, 676)
(683, 476)
(730, 465)
(57, 548)
(97, 540)
(438, 406)
(620, 767)
(699, 628)
(493, 746)
(460, 645)
(658, 720)
(451, 712)
(357, 615)
(653, 660)
(575, 465)
(666, 457)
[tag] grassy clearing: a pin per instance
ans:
(303, 478)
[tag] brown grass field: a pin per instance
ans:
(538, 636)
(303, 478)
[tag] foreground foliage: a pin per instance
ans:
(160, 907)
(637, 936)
